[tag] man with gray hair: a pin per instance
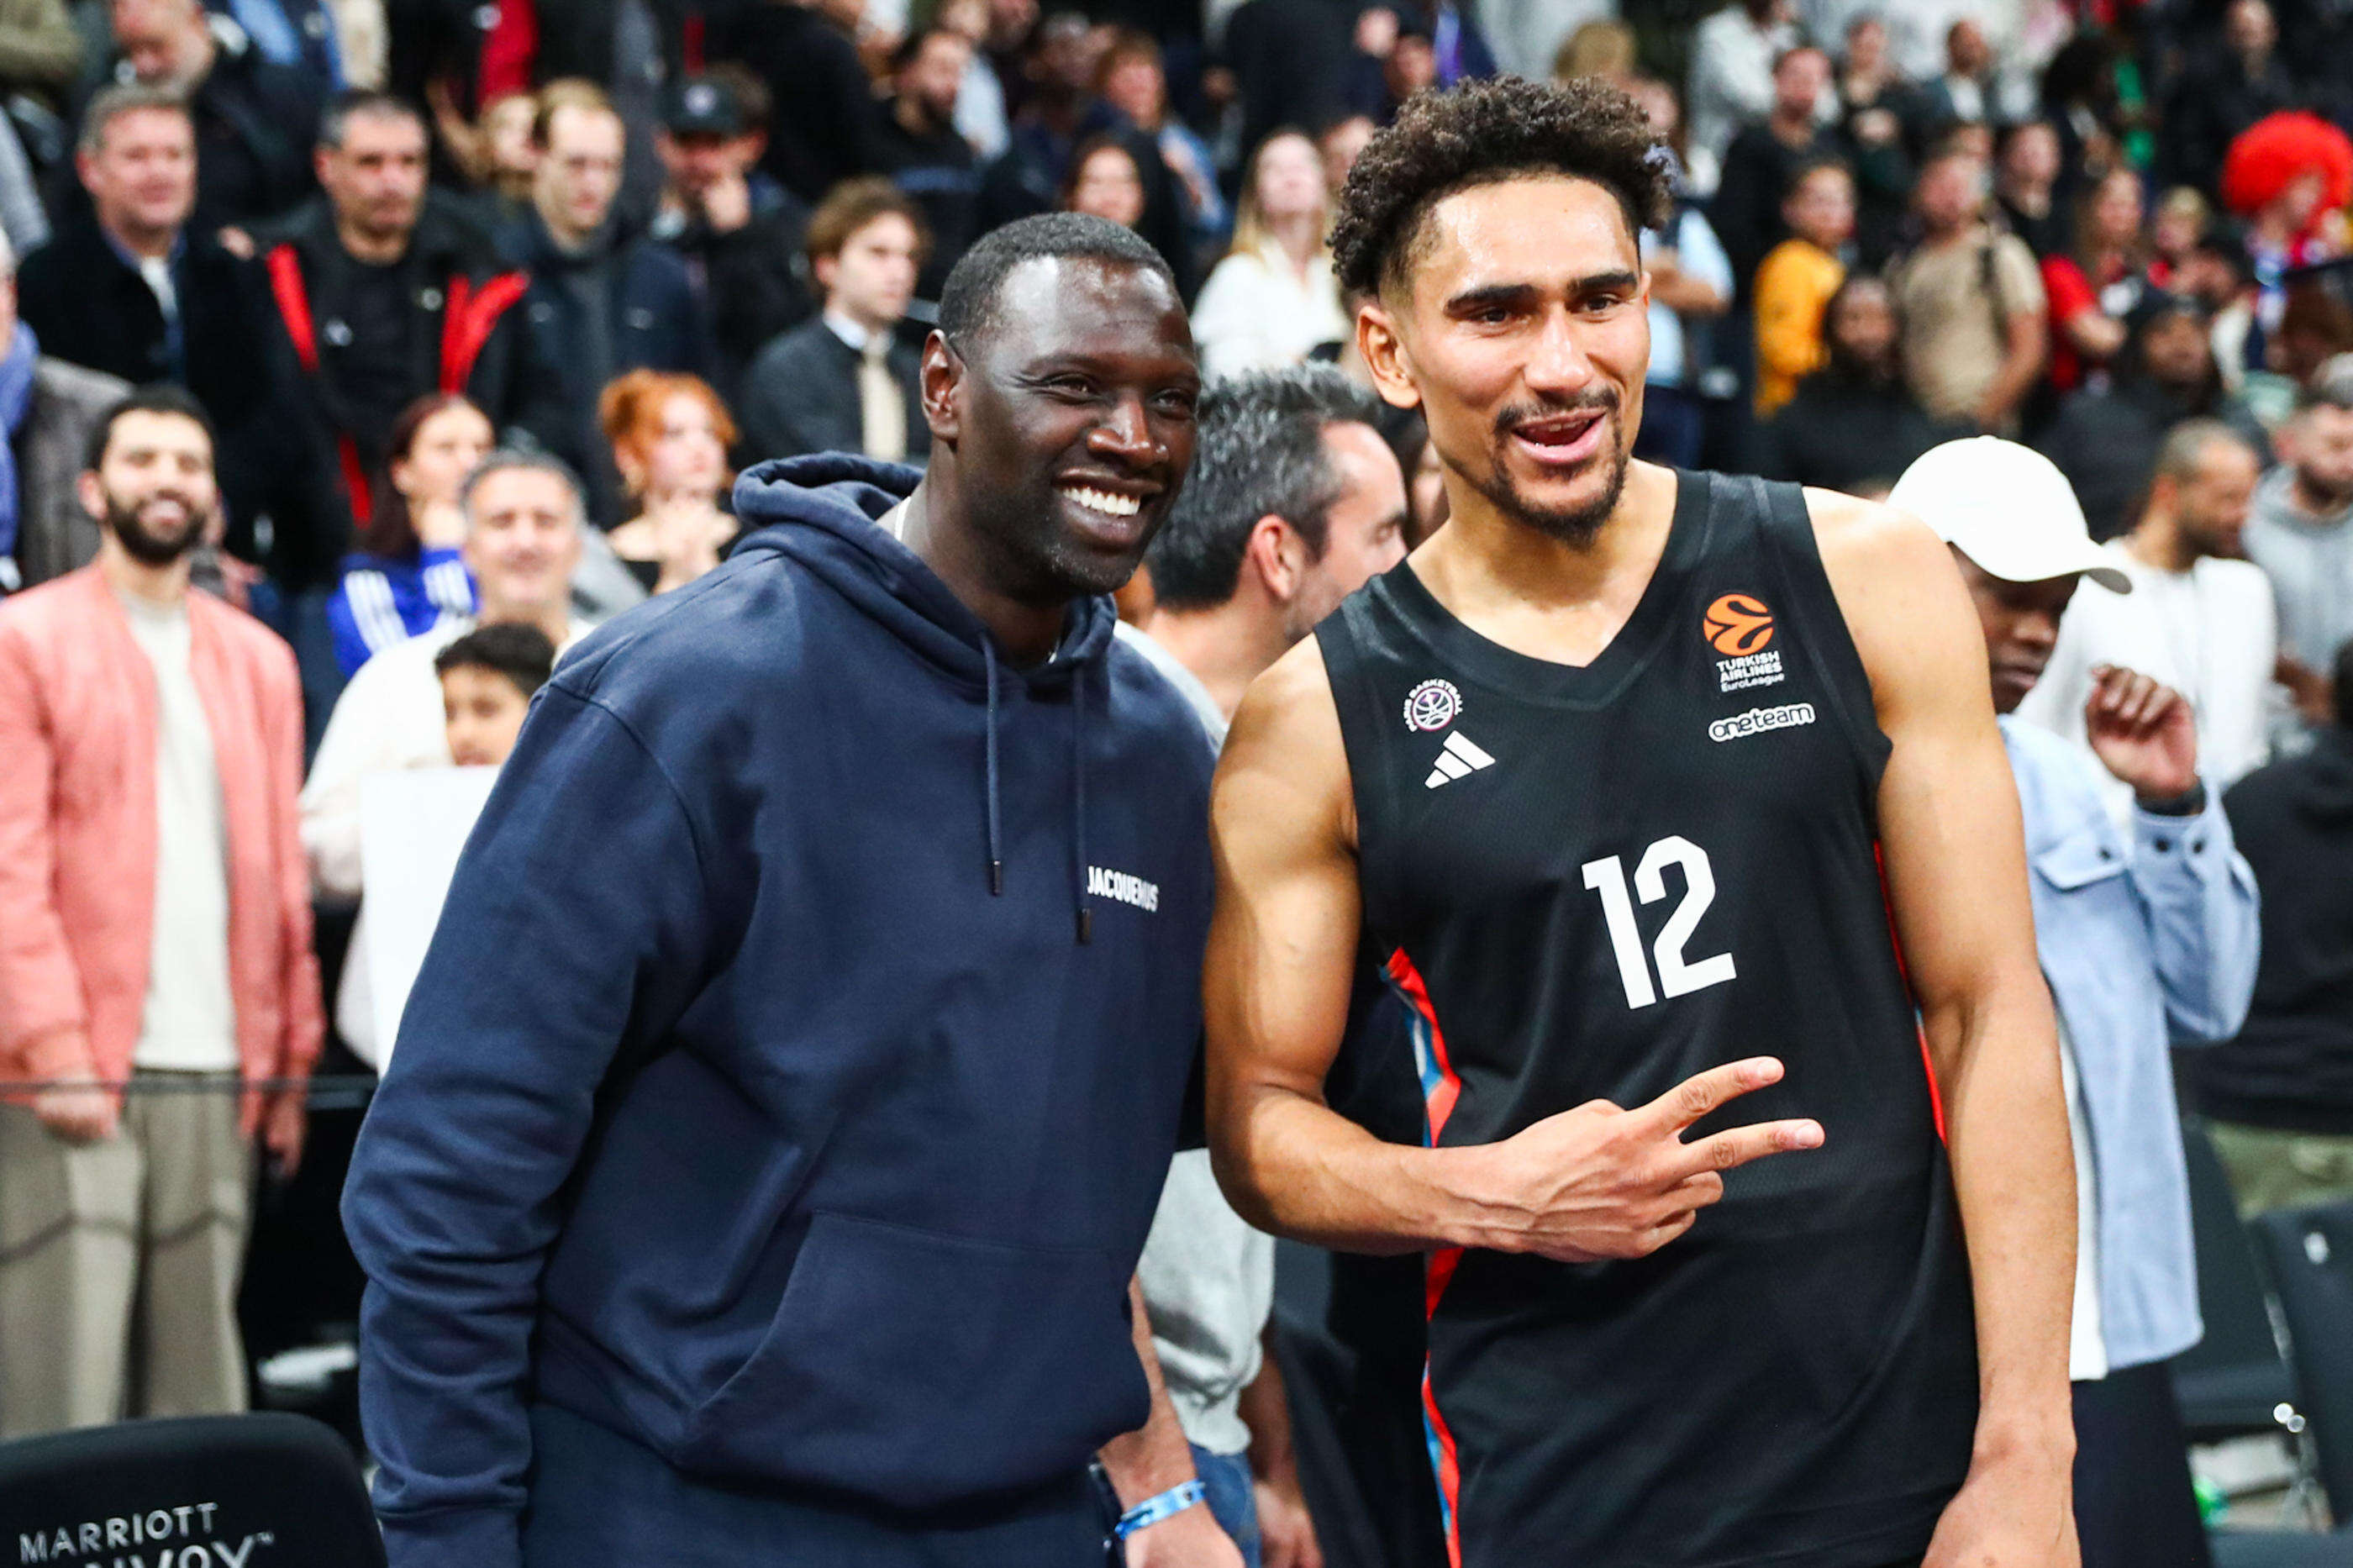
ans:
(524, 529)
(1295, 501)
(2199, 619)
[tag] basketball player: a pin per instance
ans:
(1604, 778)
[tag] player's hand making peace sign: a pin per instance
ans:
(1601, 1182)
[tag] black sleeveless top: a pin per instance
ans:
(1591, 882)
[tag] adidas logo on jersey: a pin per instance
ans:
(1457, 759)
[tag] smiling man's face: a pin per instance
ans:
(152, 490)
(1073, 423)
(1521, 330)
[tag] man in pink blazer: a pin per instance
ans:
(159, 1000)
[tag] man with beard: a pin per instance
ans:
(2200, 618)
(151, 886)
(2300, 531)
(918, 145)
(781, 1106)
(1603, 779)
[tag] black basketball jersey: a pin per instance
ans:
(1591, 882)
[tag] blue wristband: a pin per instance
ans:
(1153, 1509)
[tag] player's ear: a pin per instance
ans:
(1385, 354)
(940, 378)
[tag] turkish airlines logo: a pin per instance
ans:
(1738, 625)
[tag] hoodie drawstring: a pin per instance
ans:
(1086, 920)
(995, 844)
(1079, 786)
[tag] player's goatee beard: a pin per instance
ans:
(1571, 525)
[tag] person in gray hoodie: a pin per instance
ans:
(2300, 531)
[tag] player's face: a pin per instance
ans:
(1523, 334)
(1072, 424)
(2022, 627)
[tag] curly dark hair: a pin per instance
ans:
(1481, 133)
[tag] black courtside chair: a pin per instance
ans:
(2310, 1251)
(266, 1491)
(2235, 1382)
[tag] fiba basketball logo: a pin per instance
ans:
(1738, 625)
(1432, 705)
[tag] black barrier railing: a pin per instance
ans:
(327, 1091)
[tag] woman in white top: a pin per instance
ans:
(1274, 298)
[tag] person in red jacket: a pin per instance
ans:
(159, 999)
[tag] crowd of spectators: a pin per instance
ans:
(637, 246)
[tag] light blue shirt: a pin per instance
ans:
(2148, 940)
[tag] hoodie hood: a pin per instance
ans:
(2324, 785)
(822, 512)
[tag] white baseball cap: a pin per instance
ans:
(2008, 508)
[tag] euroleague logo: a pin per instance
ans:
(1432, 705)
(1740, 629)
(1738, 625)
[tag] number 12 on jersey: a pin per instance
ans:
(1677, 975)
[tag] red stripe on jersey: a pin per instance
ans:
(1895, 941)
(1439, 1100)
(1450, 1471)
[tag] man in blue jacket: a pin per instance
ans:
(785, 1099)
(2148, 937)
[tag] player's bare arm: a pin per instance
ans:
(1957, 880)
(1595, 1182)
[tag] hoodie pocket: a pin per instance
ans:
(916, 1369)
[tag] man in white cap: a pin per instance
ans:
(2148, 937)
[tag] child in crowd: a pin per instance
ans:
(487, 677)
(1798, 277)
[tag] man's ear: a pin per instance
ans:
(90, 493)
(941, 374)
(1385, 355)
(823, 270)
(1269, 552)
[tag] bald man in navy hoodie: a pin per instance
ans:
(784, 1102)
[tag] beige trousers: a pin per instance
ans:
(119, 1261)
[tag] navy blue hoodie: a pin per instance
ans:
(735, 1109)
